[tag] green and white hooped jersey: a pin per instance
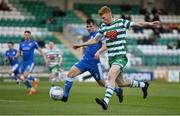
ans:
(53, 56)
(115, 34)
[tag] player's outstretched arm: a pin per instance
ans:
(44, 57)
(100, 51)
(89, 42)
(147, 24)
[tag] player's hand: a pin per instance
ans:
(97, 55)
(155, 24)
(76, 46)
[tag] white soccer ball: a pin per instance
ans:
(56, 93)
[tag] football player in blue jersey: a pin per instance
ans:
(26, 49)
(10, 55)
(90, 62)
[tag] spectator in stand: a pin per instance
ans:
(127, 17)
(156, 18)
(50, 20)
(147, 17)
(4, 6)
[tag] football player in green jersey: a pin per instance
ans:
(54, 57)
(115, 32)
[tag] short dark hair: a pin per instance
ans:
(89, 21)
(27, 32)
(10, 42)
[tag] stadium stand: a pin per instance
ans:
(159, 48)
(155, 49)
(117, 9)
(34, 16)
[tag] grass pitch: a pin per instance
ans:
(164, 98)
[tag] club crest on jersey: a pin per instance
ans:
(111, 34)
(30, 44)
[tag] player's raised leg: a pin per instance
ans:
(13, 75)
(74, 71)
(35, 80)
(29, 69)
(117, 90)
(52, 76)
(133, 83)
(24, 78)
(13, 72)
(53, 73)
(97, 73)
(112, 74)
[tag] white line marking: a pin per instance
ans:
(4, 100)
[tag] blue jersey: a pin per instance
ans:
(10, 54)
(92, 49)
(27, 48)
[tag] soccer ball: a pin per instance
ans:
(56, 93)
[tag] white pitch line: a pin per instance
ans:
(4, 100)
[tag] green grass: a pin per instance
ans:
(164, 98)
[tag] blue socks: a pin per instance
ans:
(27, 83)
(67, 87)
(30, 78)
(14, 77)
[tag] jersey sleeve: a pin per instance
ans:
(100, 31)
(16, 51)
(127, 23)
(36, 45)
(103, 39)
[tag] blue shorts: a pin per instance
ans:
(16, 69)
(27, 67)
(94, 68)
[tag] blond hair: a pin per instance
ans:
(103, 10)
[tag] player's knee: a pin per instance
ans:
(26, 74)
(52, 75)
(72, 74)
(22, 78)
